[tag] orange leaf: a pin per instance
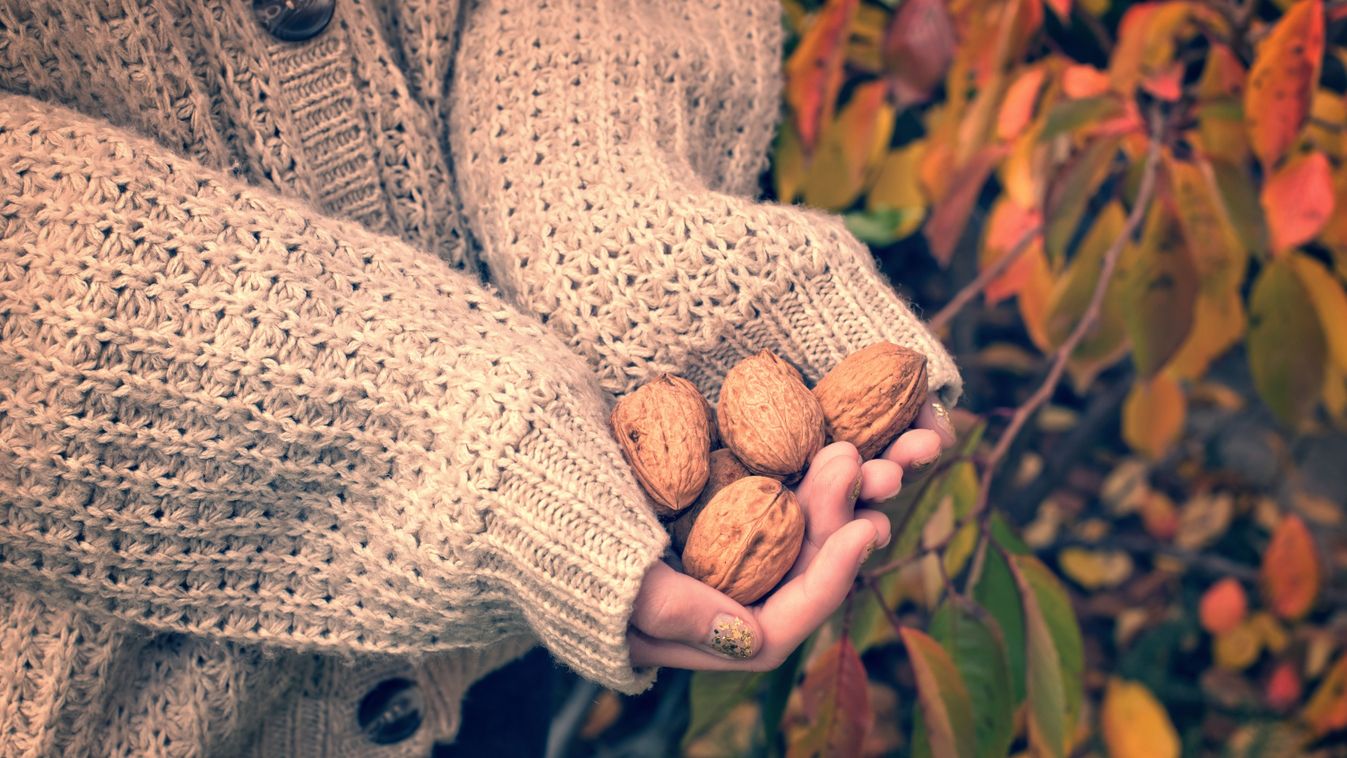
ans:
(836, 704)
(1298, 200)
(950, 216)
(1080, 81)
(1009, 222)
(814, 71)
(1153, 414)
(1035, 296)
(1017, 109)
(1165, 84)
(1327, 710)
(1281, 82)
(1222, 76)
(1223, 607)
(1061, 7)
(1290, 573)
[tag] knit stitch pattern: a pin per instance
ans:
(306, 349)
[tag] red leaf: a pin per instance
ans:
(918, 48)
(1281, 82)
(1291, 569)
(814, 71)
(1298, 201)
(1283, 687)
(1223, 607)
(942, 695)
(950, 216)
(1007, 225)
(836, 703)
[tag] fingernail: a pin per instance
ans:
(733, 638)
(943, 420)
(919, 466)
(869, 551)
(855, 493)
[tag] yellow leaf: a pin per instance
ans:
(1153, 414)
(1217, 252)
(1238, 648)
(1095, 569)
(1327, 710)
(1323, 132)
(898, 181)
(1219, 324)
(1160, 286)
(1034, 295)
(1290, 572)
(1281, 82)
(1270, 631)
(1106, 343)
(1135, 724)
(1330, 302)
(849, 148)
(1023, 171)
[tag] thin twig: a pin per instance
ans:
(1063, 353)
(971, 290)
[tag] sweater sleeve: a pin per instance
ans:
(226, 415)
(606, 151)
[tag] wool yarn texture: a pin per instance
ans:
(307, 348)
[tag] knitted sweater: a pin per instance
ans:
(306, 348)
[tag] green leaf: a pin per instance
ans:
(884, 226)
(1240, 196)
(1160, 289)
(996, 591)
(979, 653)
(714, 694)
(1054, 653)
(942, 696)
(1287, 351)
(1071, 191)
(836, 705)
(778, 686)
(1070, 115)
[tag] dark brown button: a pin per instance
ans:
(391, 712)
(293, 20)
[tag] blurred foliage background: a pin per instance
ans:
(1129, 222)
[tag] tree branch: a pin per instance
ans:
(971, 290)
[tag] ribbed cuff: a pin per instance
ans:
(814, 322)
(570, 540)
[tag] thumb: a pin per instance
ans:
(677, 608)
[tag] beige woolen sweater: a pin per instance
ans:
(306, 348)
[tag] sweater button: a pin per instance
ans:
(391, 712)
(293, 20)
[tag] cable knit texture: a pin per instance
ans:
(306, 349)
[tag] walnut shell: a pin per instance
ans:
(873, 395)
(664, 431)
(769, 418)
(725, 470)
(746, 538)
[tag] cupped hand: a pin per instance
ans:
(680, 622)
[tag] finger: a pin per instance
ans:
(674, 606)
(818, 472)
(935, 416)
(881, 479)
(647, 651)
(914, 450)
(880, 521)
(827, 500)
(793, 612)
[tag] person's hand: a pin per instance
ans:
(680, 622)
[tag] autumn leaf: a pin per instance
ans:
(918, 48)
(1161, 287)
(1135, 724)
(1070, 191)
(1147, 38)
(1061, 7)
(1017, 108)
(1095, 569)
(1006, 227)
(949, 218)
(1298, 201)
(1282, 80)
(1223, 606)
(1054, 656)
(946, 711)
(814, 72)
(1327, 710)
(1283, 687)
(977, 648)
(836, 704)
(788, 171)
(713, 694)
(1287, 351)
(1153, 414)
(1035, 296)
(1290, 573)
(1080, 80)
(1329, 301)
(1106, 343)
(850, 148)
